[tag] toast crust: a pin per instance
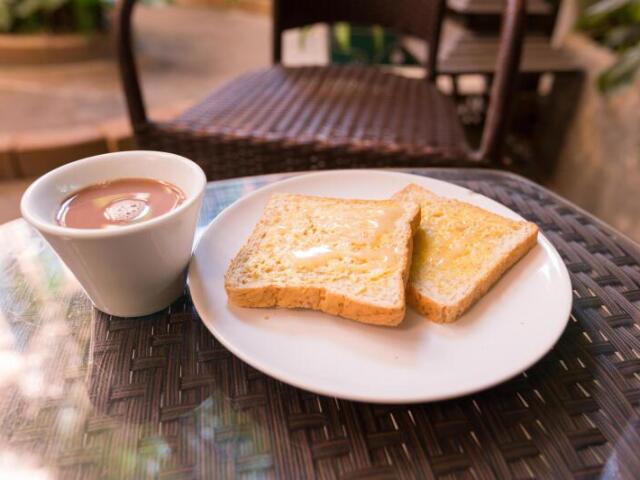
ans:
(441, 312)
(319, 297)
(316, 298)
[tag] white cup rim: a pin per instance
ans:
(87, 233)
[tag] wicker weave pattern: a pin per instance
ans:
(394, 111)
(160, 397)
(291, 119)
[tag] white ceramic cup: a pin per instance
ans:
(131, 270)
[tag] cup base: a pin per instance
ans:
(148, 307)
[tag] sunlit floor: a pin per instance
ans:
(183, 53)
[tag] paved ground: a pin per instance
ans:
(184, 53)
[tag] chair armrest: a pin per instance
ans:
(504, 82)
(127, 64)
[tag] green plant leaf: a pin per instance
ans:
(621, 36)
(622, 72)
(84, 13)
(27, 8)
(377, 36)
(342, 35)
(6, 19)
(634, 12)
(51, 5)
(599, 17)
(605, 7)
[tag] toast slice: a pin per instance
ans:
(460, 252)
(344, 257)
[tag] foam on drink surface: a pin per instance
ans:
(118, 202)
(126, 210)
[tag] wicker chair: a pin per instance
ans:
(288, 119)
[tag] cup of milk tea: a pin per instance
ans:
(123, 223)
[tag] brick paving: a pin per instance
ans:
(184, 53)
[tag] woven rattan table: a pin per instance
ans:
(85, 395)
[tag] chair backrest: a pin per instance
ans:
(421, 18)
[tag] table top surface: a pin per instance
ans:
(87, 395)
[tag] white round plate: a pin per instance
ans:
(507, 331)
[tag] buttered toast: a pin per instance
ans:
(344, 257)
(460, 251)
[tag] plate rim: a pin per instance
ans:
(283, 376)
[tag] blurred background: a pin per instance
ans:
(574, 125)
